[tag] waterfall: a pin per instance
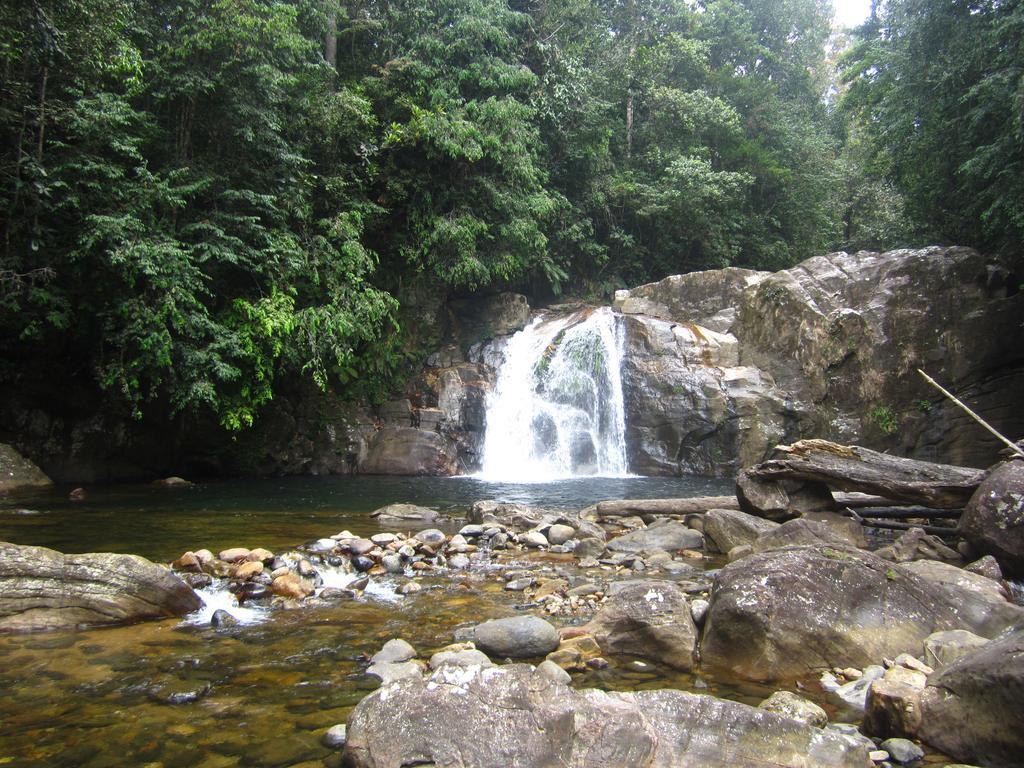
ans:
(556, 410)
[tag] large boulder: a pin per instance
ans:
(690, 407)
(845, 333)
(18, 474)
(668, 536)
(790, 613)
(973, 709)
(403, 513)
(409, 451)
(728, 528)
(41, 589)
(993, 521)
(651, 619)
(463, 717)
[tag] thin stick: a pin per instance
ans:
(909, 512)
(1016, 448)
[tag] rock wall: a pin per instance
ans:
(724, 364)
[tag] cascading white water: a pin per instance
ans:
(557, 410)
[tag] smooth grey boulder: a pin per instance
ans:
(18, 474)
(993, 521)
(651, 619)
(915, 544)
(790, 613)
(513, 715)
(400, 513)
(668, 537)
(394, 651)
(516, 637)
(42, 589)
(728, 528)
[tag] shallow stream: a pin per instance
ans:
(179, 693)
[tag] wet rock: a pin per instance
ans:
(993, 521)
(248, 570)
(728, 528)
(789, 613)
(42, 589)
(187, 562)
(197, 580)
(393, 564)
(517, 637)
(670, 537)
(796, 707)
(915, 544)
(458, 562)
(409, 588)
(360, 546)
(222, 618)
(973, 709)
(403, 513)
(902, 751)
(518, 585)
(362, 563)
(943, 648)
(649, 619)
(396, 650)
(432, 537)
(78, 494)
(514, 715)
(471, 531)
(234, 554)
(335, 737)
(261, 555)
(290, 585)
(305, 569)
(18, 474)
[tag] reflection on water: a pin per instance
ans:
(179, 693)
(161, 523)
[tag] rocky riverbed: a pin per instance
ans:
(844, 650)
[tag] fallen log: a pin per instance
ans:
(938, 530)
(899, 513)
(852, 468)
(662, 507)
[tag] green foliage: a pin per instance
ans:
(199, 207)
(937, 86)
(882, 416)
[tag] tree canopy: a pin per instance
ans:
(206, 197)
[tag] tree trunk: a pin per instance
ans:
(852, 468)
(331, 40)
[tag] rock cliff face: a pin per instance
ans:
(718, 368)
(722, 365)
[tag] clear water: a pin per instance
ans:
(161, 523)
(178, 693)
(557, 409)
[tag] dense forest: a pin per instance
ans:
(205, 198)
